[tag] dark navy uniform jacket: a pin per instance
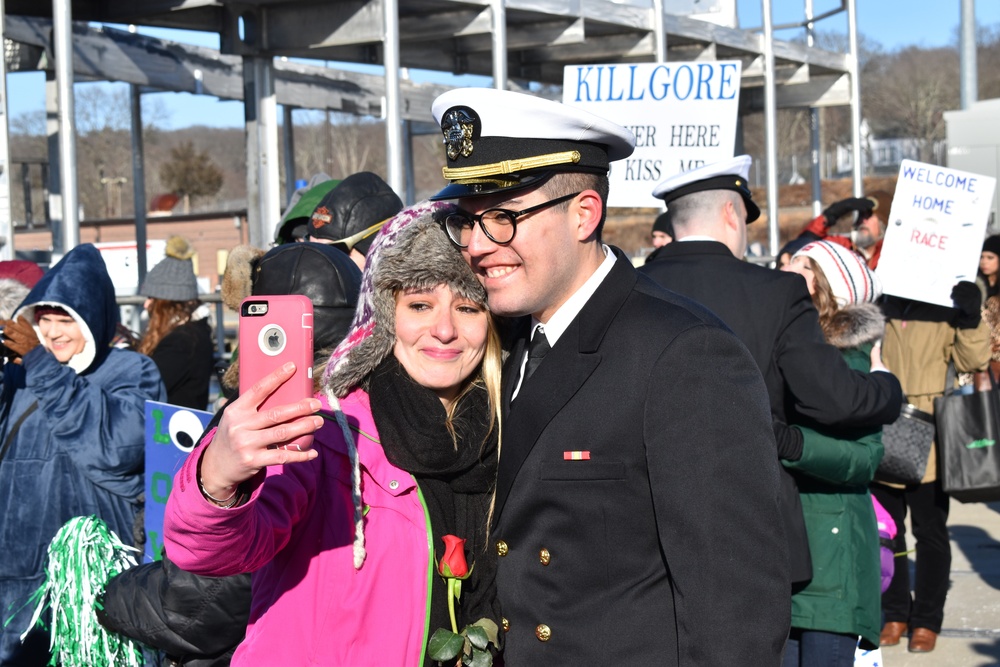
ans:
(660, 543)
(807, 379)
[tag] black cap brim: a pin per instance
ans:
(491, 186)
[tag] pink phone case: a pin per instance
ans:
(275, 329)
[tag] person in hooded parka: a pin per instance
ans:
(71, 431)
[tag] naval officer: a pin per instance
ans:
(636, 518)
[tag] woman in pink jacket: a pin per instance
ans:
(341, 537)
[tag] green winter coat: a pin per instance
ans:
(844, 595)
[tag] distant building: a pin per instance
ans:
(882, 156)
(974, 145)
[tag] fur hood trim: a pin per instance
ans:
(856, 325)
(237, 281)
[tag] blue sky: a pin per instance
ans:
(893, 23)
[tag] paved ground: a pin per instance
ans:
(971, 633)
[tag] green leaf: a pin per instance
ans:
(478, 637)
(444, 645)
(481, 659)
(490, 628)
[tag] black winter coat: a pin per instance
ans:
(807, 379)
(196, 621)
(185, 358)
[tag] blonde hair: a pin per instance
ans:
(488, 377)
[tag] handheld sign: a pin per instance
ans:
(934, 232)
(683, 116)
(171, 434)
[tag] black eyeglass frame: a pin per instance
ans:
(469, 220)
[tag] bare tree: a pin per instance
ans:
(908, 92)
(191, 173)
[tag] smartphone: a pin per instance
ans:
(275, 329)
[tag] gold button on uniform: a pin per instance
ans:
(543, 632)
(544, 557)
(505, 623)
(501, 548)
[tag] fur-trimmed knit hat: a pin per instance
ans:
(411, 251)
(845, 270)
(173, 278)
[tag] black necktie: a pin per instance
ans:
(537, 349)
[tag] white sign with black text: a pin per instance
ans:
(683, 116)
(934, 232)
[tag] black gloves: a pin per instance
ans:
(789, 441)
(839, 209)
(968, 302)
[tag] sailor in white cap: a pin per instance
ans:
(623, 473)
(774, 317)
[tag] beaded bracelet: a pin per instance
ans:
(224, 504)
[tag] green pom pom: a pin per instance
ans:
(83, 556)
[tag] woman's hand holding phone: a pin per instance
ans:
(249, 440)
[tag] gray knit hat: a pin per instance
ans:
(173, 278)
(411, 251)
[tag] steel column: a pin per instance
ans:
(499, 43)
(138, 180)
(814, 125)
(659, 31)
(288, 134)
(967, 50)
(854, 73)
(770, 113)
(6, 219)
(62, 42)
(263, 186)
(390, 111)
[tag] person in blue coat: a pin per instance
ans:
(71, 431)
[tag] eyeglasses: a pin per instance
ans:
(499, 224)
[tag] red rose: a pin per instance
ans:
(453, 562)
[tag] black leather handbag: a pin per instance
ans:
(907, 443)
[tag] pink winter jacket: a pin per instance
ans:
(310, 606)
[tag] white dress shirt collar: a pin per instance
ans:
(567, 312)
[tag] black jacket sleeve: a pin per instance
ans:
(825, 389)
(183, 614)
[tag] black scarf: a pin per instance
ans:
(457, 483)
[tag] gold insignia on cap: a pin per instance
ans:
(739, 183)
(511, 166)
(457, 127)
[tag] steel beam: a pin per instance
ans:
(138, 180)
(62, 40)
(6, 219)
(263, 190)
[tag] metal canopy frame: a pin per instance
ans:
(517, 42)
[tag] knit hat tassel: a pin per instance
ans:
(352, 453)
